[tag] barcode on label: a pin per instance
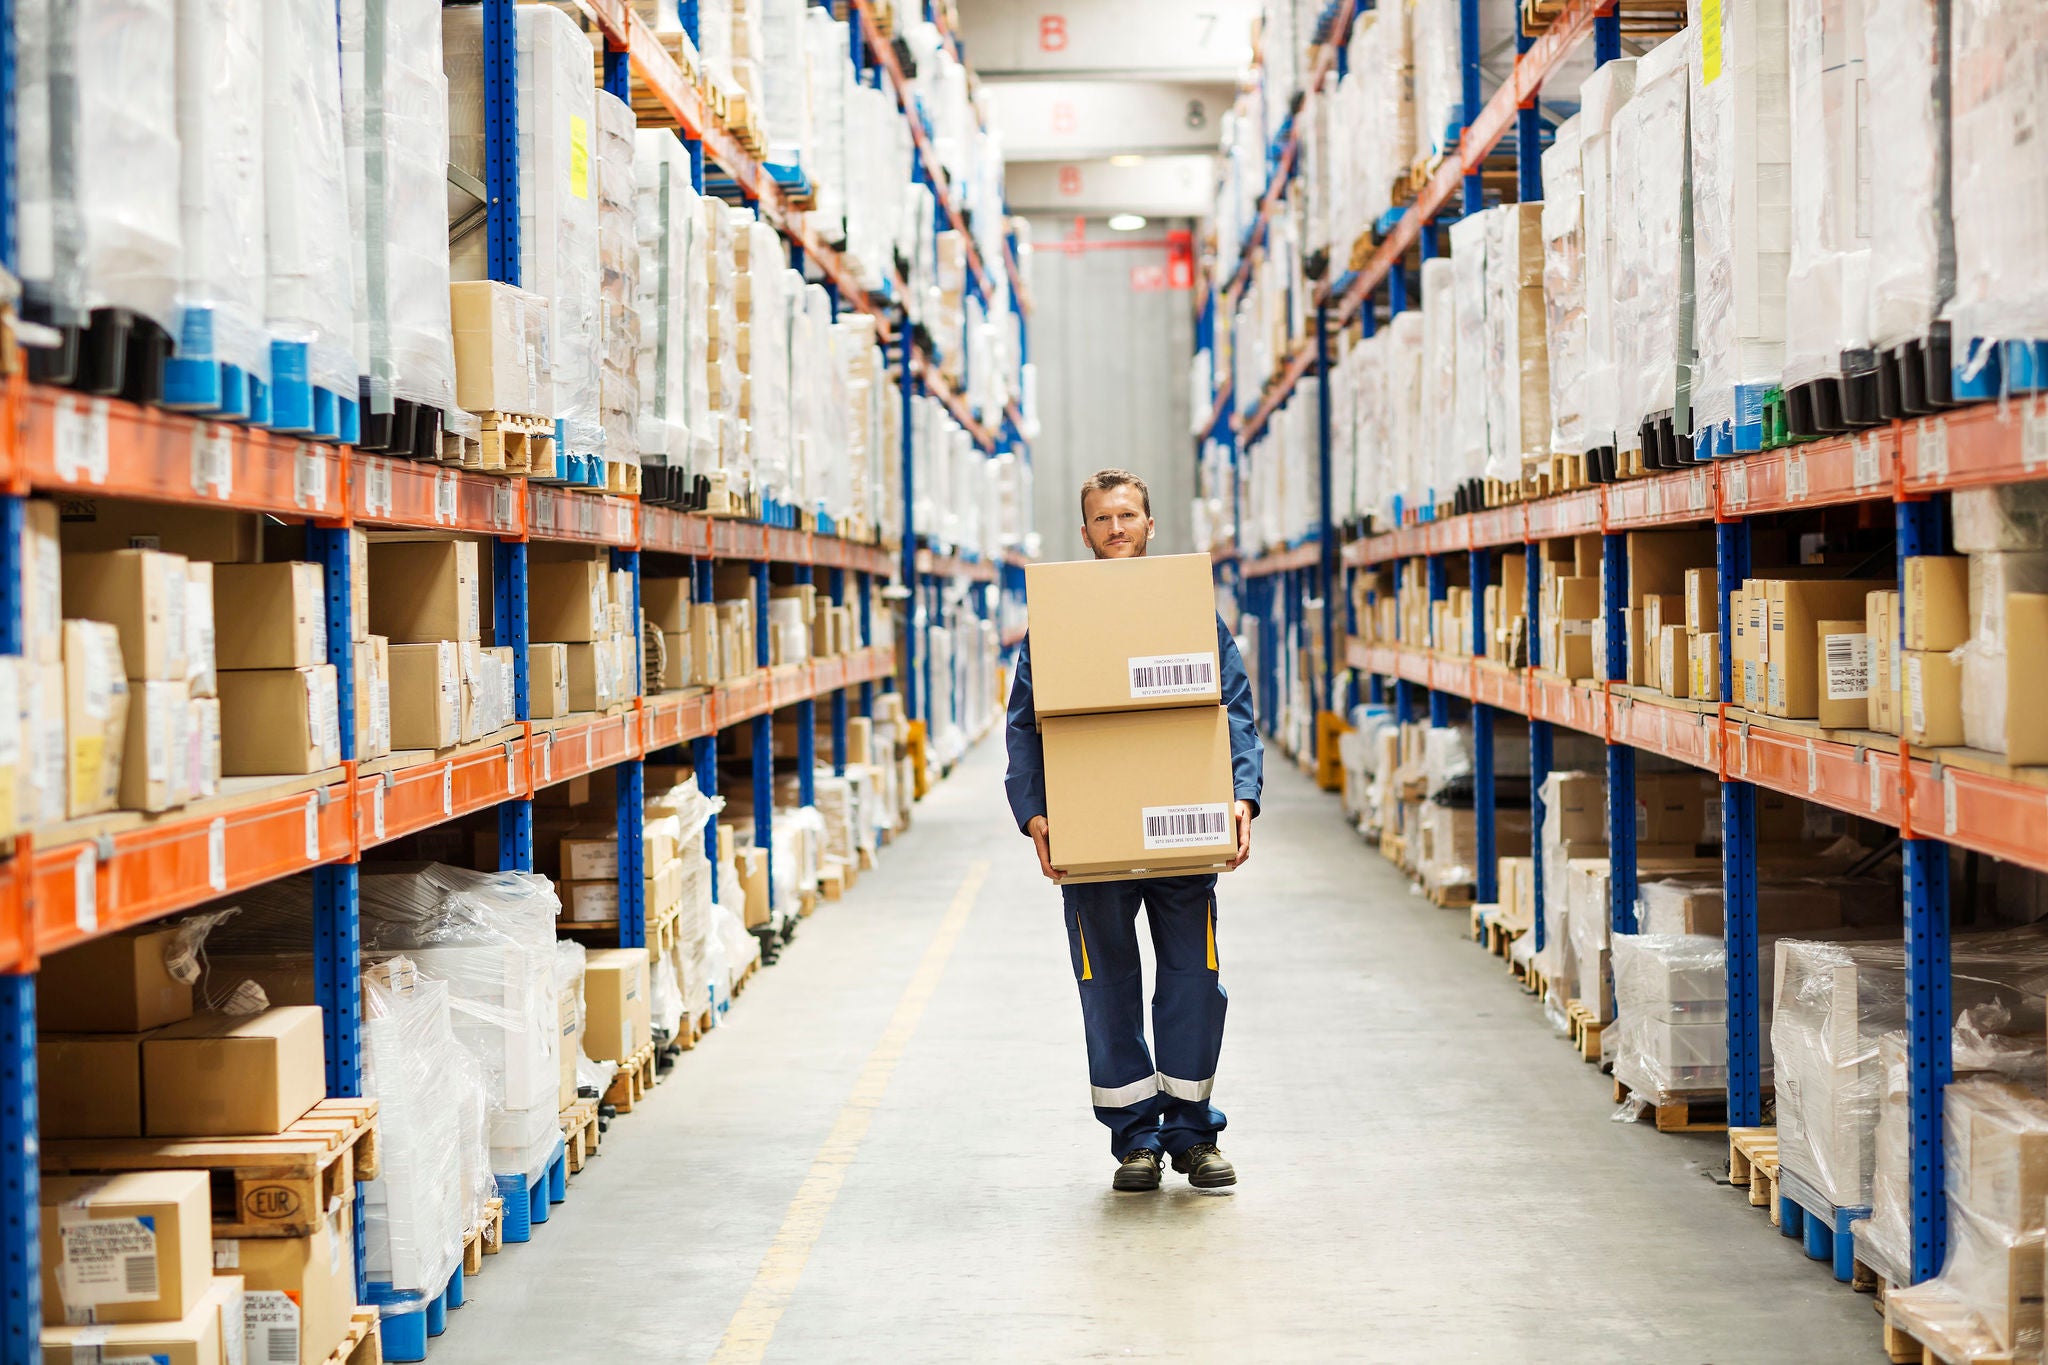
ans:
(1932, 455)
(281, 1346)
(1186, 826)
(1848, 666)
(1172, 675)
(1868, 466)
(376, 488)
(309, 476)
(138, 1275)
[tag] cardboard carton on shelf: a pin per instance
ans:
(212, 1333)
(154, 773)
(1844, 698)
(299, 1292)
(141, 593)
(135, 1247)
(373, 697)
(1163, 809)
(617, 1018)
(1792, 664)
(566, 601)
(279, 721)
(270, 615)
(1123, 635)
(95, 717)
(500, 333)
(218, 1075)
(1931, 698)
(89, 1084)
(547, 681)
(665, 602)
(426, 695)
(422, 591)
(1934, 600)
(121, 983)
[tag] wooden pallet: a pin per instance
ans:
(494, 1228)
(465, 452)
(514, 443)
(1753, 1165)
(1639, 18)
(279, 1186)
(364, 1344)
(580, 1132)
(1567, 472)
(1685, 1113)
(1584, 1029)
(635, 1077)
(739, 987)
(484, 1239)
(1454, 897)
(1936, 1329)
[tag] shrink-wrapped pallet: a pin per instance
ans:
(1517, 353)
(1741, 139)
(618, 259)
(1670, 1036)
(1650, 267)
(1564, 287)
(126, 141)
(831, 72)
(1439, 75)
(1475, 382)
(785, 106)
(51, 234)
(1385, 134)
(667, 216)
(1436, 453)
(220, 137)
(309, 292)
(1601, 98)
(1912, 237)
(558, 245)
(1998, 87)
(1827, 290)
(1409, 429)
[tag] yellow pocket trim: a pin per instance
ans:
(1212, 935)
(1087, 972)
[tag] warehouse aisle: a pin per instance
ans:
(890, 1145)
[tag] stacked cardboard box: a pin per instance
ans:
(583, 640)
(1124, 659)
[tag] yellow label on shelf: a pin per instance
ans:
(579, 157)
(1710, 41)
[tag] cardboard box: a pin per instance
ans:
(219, 1075)
(1935, 600)
(95, 716)
(592, 671)
(1164, 809)
(358, 584)
(42, 583)
(154, 773)
(1845, 675)
(270, 615)
(1881, 626)
(1697, 906)
(1123, 635)
(426, 696)
(299, 1293)
(219, 535)
(547, 681)
(1674, 661)
(135, 1247)
(615, 1004)
(665, 602)
(1703, 657)
(425, 590)
(589, 902)
(2026, 664)
(373, 697)
(279, 721)
(1932, 698)
(116, 984)
(566, 600)
(570, 1042)
(590, 857)
(201, 657)
(1702, 601)
(211, 1334)
(141, 593)
(203, 733)
(501, 348)
(752, 866)
(1658, 562)
(676, 664)
(1797, 606)
(90, 1084)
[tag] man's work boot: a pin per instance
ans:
(1139, 1170)
(1205, 1167)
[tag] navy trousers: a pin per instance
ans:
(1150, 1102)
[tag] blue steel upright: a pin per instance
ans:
(21, 1276)
(501, 139)
(1486, 877)
(1738, 867)
(1621, 759)
(1468, 63)
(1528, 139)
(337, 932)
(1540, 738)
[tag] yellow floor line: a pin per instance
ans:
(748, 1334)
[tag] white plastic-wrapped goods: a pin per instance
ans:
(1998, 88)
(1564, 287)
(1474, 382)
(1827, 291)
(670, 348)
(310, 290)
(1601, 98)
(128, 155)
(220, 136)
(1651, 337)
(1912, 238)
(1518, 363)
(618, 255)
(51, 237)
(1436, 460)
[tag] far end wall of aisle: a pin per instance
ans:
(1111, 349)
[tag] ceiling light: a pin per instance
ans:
(1126, 222)
(1127, 159)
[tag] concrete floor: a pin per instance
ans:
(1427, 1173)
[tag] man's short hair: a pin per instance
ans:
(1102, 480)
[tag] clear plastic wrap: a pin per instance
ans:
(128, 155)
(310, 290)
(1827, 291)
(558, 247)
(1649, 264)
(664, 1000)
(618, 254)
(1833, 1002)
(1589, 926)
(1555, 961)
(220, 132)
(1999, 159)
(1517, 352)
(1671, 1014)
(51, 234)
(1564, 287)
(1912, 239)
(1399, 463)
(1741, 154)
(2011, 516)
(1474, 383)
(1439, 75)
(1601, 98)
(1437, 456)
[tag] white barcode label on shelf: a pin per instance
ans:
(377, 808)
(1869, 462)
(1812, 768)
(213, 461)
(376, 487)
(1875, 766)
(85, 891)
(217, 853)
(1653, 497)
(1696, 490)
(1187, 826)
(106, 1260)
(622, 516)
(511, 769)
(270, 1323)
(1948, 802)
(309, 476)
(2034, 434)
(504, 510)
(444, 496)
(447, 789)
(1795, 477)
(1172, 675)
(543, 508)
(547, 759)
(1932, 461)
(1737, 483)
(1846, 659)
(312, 827)
(80, 444)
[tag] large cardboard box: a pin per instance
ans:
(501, 348)
(593, 675)
(426, 695)
(1881, 626)
(1935, 600)
(1123, 635)
(155, 773)
(116, 984)
(617, 1022)
(566, 600)
(2026, 664)
(95, 716)
(1844, 698)
(299, 1293)
(373, 697)
(665, 602)
(219, 1075)
(1797, 606)
(1932, 698)
(270, 615)
(1163, 807)
(89, 1085)
(279, 721)
(1702, 601)
(547, 681)
(1704, 665)
(570, 1046)
(425, 590)
(211, 1334)
(752, 866)
(42, 582)
(217, 534)
(141, 593)
(135, 1247)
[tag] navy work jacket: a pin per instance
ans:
(1025, 781)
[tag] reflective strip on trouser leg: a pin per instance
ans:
(1188, 1005)
(1102, 933)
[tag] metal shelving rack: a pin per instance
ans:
(1933, 798)
(60, 888)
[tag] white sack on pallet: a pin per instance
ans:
(1564, 287)
(1670, 1035)
(557, 192)
(1827, 291)
(395, 99)
(1912, 238)
(220, 135)
(1518, 398)
(1651, 314)
(1998, 88)
(1601, 98)
(310, 291)
(618, 256)
(128, 155)
(1437, 458)
(1474, 382)
(50, 234)
(667, 218)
